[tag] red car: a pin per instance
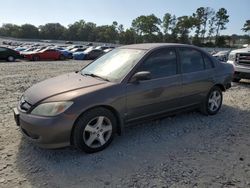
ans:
(45, 54)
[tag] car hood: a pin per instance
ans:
(58, 85)
(242, 50)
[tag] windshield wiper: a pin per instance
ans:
(96, 76)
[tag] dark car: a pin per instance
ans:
(131, 83)
(8, 54)
(92, 54)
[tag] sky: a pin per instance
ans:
(102, 12)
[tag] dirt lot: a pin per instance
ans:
(188, 150)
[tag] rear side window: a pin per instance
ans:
(161, 63)
(208, 62)
(191, 60)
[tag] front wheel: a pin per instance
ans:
(61, 57)
(94, 130)
(213, 102)
(11, 59)
(36, 58)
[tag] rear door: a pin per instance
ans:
(197, 75)
(159, 94)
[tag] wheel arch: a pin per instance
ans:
(221, 86)
(110, 108)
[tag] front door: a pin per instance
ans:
(159, 94)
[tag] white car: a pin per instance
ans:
(240, 59)
(222, 55)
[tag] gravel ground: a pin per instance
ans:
(187, 150)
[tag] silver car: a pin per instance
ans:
(131, 83)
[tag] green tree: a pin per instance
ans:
(107, 33)
(211, 27)
(202, 17)
(166, 22)
(220, 41)
(127, 37)
(120, 28)
(29, 31)
(246, 27)
(52, 31)
(10, 30)
(183, 26)
(146, 27)
(221, 20)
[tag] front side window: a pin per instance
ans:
(161, 63)
(191, 60)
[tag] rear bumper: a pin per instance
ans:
(46, 132)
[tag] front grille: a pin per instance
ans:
(24, 105)
(243, 59)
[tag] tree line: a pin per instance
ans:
(200, 28)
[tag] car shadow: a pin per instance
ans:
(150, 143)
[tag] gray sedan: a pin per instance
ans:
(131, 83)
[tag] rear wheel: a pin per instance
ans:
(213, 102)
(11, 58)
(94, 130)
(36, 58)
(61, 57)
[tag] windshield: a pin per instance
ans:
(115, 65)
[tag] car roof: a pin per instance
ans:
(150, 46)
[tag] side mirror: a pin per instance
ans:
(140, 76)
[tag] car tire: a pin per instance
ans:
(11, 58)
(94, 130)
(62, 57)
(213, 102)
(36, 58)
(236, 80)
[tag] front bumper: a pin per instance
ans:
(240, 71)
(240, 75)
(46, 132)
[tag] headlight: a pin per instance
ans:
(51, 108)
(232, 57)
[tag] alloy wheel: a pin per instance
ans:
(97, 132)
(214, 101)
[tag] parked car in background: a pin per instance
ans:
(89, 44)
(240, 59)
(68, 42)
(102, 47)
(107, 50)
(8, 54)
(20, 49)
(222, 55)
(128, 84)
(45, 54)
(92, 54)
(78, 49)
(66, 53)
(88, 54)
(74, 46)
